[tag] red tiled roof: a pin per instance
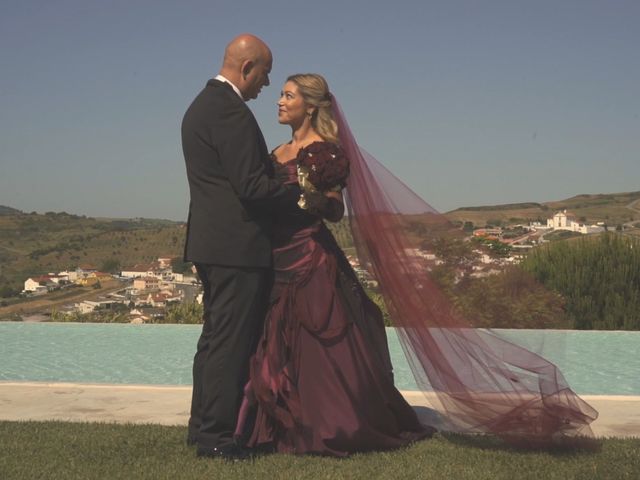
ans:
(41, 278)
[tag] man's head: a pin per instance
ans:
(247, 63)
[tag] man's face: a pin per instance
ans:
(257, 78)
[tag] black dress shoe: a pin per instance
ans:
(232, 453)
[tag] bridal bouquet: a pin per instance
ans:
(322, 167)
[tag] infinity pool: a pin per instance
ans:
(593, 362)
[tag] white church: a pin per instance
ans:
(566, 221)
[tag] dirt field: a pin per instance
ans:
(56, 300)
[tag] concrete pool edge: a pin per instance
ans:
(619, 416)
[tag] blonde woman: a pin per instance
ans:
(321, 379)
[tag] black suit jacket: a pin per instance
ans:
(229, 172)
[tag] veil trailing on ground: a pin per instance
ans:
(482, 383)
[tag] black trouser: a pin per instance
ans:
(234, 302)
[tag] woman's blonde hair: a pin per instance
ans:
(315, 92)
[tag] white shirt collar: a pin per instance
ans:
(236, 89)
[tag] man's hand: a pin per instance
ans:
(315, 202)
(281, 174)
(326, 205)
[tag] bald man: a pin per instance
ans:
(233, 197)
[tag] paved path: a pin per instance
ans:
(169, 405)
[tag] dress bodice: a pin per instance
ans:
(292, 219)
(289, 166)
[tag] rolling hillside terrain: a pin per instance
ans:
(613, 209)
(34, 244)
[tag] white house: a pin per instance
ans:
(56, 278)
(146, 283)
(161, 268)
(69, 276)
(162, 299)
(139, 270)
(84, 270)
(189, 279)
(537, 225)
(39, 285)
(87, 306)
(178, 277)
(31, 285)
(165, 262)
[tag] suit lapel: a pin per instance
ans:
(266, 159)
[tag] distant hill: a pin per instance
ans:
(32, 244)
(4, 210)
(613, 209)
(506, 206)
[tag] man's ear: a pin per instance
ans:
(247, 66)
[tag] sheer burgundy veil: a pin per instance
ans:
(482, 383)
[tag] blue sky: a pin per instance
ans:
(468, 102)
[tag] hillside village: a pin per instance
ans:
(533, 233)
(148, 289)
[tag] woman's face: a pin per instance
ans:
(291, 107)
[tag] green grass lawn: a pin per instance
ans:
(55, 450)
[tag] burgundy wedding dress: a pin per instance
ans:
(321, 378)
(321, 381)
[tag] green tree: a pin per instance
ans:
(178, 265)
(599, 277)
(185, 312)
(111, 265)
(7, 291)
(511, 299)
